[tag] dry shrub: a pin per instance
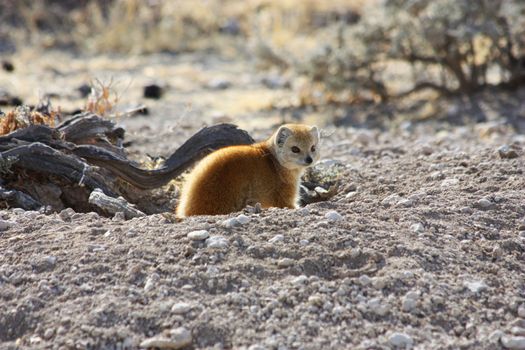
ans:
(447, 46)
(103, 99)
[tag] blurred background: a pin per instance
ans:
(373, 64)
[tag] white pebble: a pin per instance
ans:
(181, 308)
(484, 203)
(476, 286)
(449, 182)
(321, 191)
(365, 280)
(405, 203)
(521, 311)
(5, 225)
(217, 242)
(377, 307)
(303, 211)
(417, 228)
(333, 216)
(285, 262)
(408, 304)
(276, 238)
(243, 219)
(199, 235)
(231, 222)
(179, 338)
(300, 280)
(513, 342)
(400, 339)
(304, 242)
(390, 200)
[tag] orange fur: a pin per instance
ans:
(267, 173)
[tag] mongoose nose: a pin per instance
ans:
(309, 160)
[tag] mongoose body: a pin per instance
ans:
(268, 173)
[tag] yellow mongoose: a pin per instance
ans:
(268, 173)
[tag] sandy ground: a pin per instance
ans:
(423, 247)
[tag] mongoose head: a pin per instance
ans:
(296, 146)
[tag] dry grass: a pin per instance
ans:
(23, 116)
(136, 26)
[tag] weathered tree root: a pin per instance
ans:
(86, 153)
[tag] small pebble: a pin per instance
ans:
(257, 347)
(48, 334)
(320, 191)
(476, 286)
(513, 342)
(300, 280)
(181, 308)
(285, 262)
(484, 203)
(365, 280)
(304, 242)
(405, 203)
(218, 242)
(449, 182)
(518, 331)
(243, 219)
(230, 223)
(521, 311)
(199, 235)
(390, 200)
(333, 216)
(303, 211)
(505, 152)
(400, 340)
(417, 228)
(179, 338)
(5, 225)
(276, 238)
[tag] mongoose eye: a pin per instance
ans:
(312, 149)
(295, 149)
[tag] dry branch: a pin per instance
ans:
(86, 153)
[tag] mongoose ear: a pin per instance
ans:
(315, 132)
(282, 134)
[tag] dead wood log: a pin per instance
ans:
(86, 153)
(111, 205)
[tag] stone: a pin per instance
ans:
(178, 338)
(390, 200)
(285, 262)
(521, 311)
(300, 280)
(304, 242)
(405, 202)
(417, 228)
(484, 203)
(230, 223)
(243, 219)
(218, 242)
(364, 280)
(5, 225)
(333, 216)
(199, 235)
(476, 286)
(513, 342)
(303, 211)
(505, 152)
(276, 238)
(320, 191)
(400, 340)
(181, 308)
(218, 84)
(449, 182)
(153, 91)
